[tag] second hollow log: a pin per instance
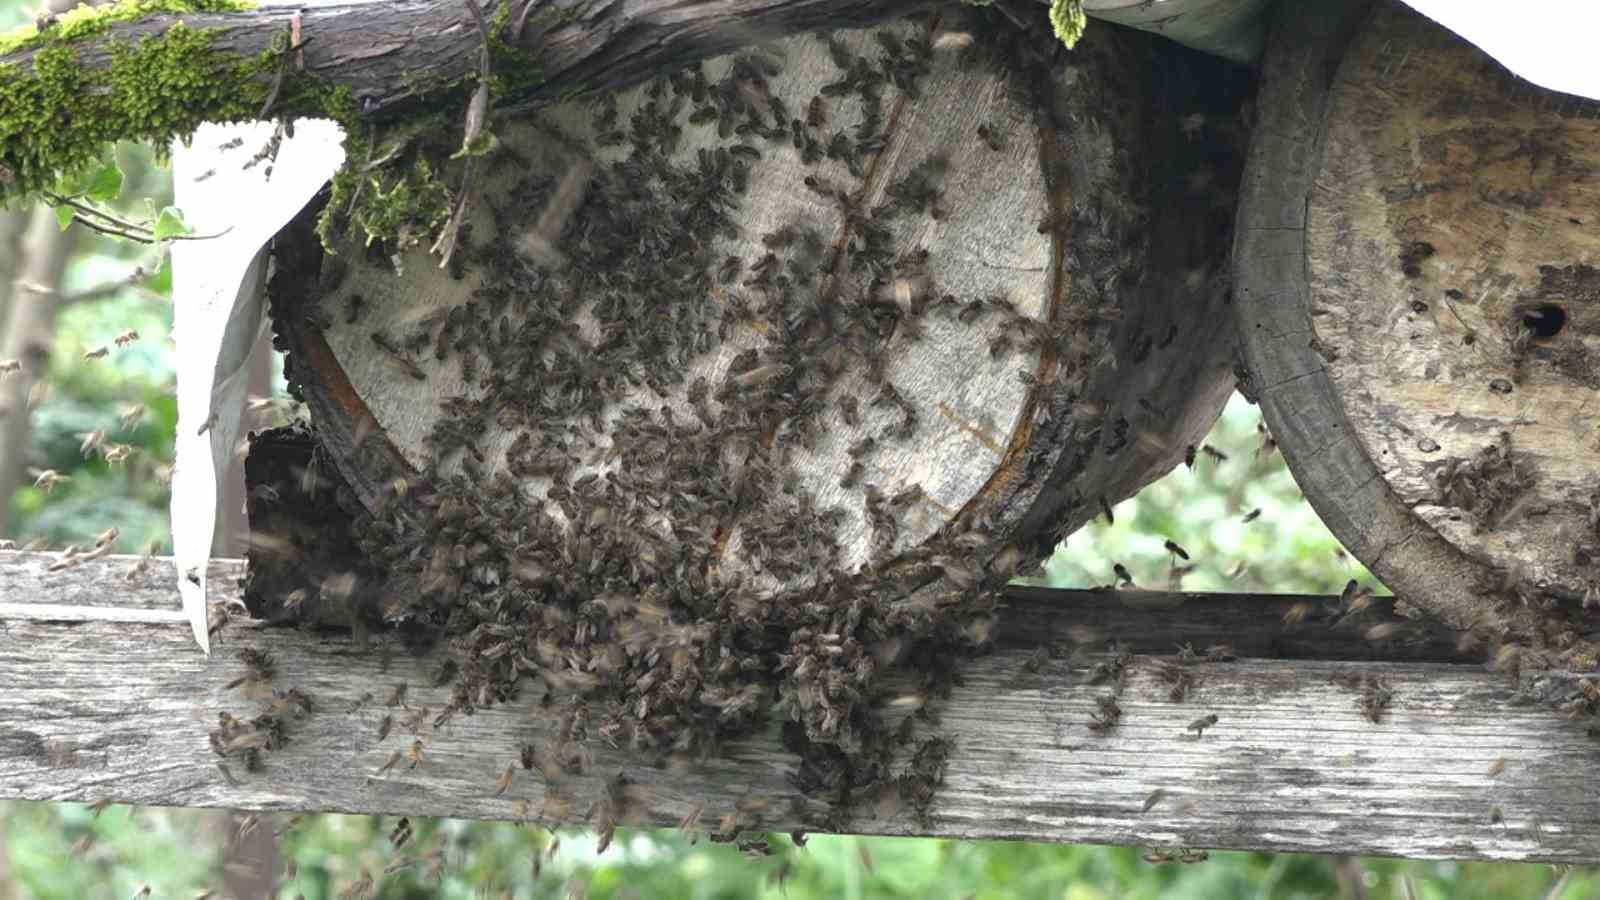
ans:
(1420, 307)
(753, 381)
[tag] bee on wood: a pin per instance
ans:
(384, 725)
(1199, 726)
(397, 697)
(1124, 578)
(1105, 509)
(1496, 767)
(1106, 716)
(991, 139)
(1188, 456)
(1153, 798)
(1297, 613)
(816, 112)
(504, 784)
(1375, 697)
(414, 753)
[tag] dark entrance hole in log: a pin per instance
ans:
(1545, 321)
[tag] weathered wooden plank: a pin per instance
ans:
(120, 711)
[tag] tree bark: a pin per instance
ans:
(30, 327)
(391, 55)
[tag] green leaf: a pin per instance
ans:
(170, 224)
(105, 184)
(69, 184)
(1069, 21)
(161, 281)
(65, 215)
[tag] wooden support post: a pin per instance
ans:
(106, 698)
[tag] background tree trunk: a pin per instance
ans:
(29, 329)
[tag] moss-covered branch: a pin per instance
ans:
(152, 70)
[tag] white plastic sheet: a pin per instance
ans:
(1548, 42)
(219, 309)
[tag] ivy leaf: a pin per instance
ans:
(161, 281)
(1069, 21)
(64, 215)
(69, 184)
(105, 184)
(170, 224)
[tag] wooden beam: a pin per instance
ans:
(120, 710)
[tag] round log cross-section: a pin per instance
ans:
(1419, 288)
(808, 349)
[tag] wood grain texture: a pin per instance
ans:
(1127, 288)
(120, 711)
(1286, 366)
(1448, 217)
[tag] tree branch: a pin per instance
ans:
(157, 77)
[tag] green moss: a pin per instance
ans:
(83, 21)
(405, 208)
(57, 118)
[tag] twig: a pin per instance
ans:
(131, 280)
(477, 114)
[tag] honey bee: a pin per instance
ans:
(1175, 550)
(126, 338)
(8, 366)
(504, 784)
(1199, 726)
(97, 353)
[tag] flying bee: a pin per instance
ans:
(1252, 515)
(401, 835)
(1176, 550)
(7, 366)
(729, 270)
(125, 338)
(1383, 632)
(47, 479)
(97, 353)
(1215, 454)
(91, 441)
(130, 417)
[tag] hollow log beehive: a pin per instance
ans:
(753, 381)
(1417, 282)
